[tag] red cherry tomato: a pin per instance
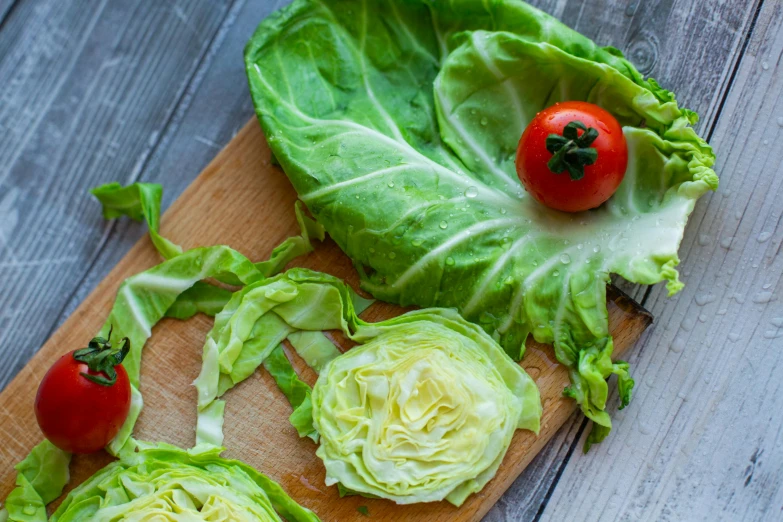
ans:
(76, 414)
(601, 171)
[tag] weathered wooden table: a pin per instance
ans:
(96, 90)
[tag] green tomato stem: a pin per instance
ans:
(571, 151)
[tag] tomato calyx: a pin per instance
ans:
(571, 151)
(100, 357)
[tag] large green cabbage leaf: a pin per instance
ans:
(397, 123)
(424, 410)
(165, 483)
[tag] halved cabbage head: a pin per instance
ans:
(167, 483)
(424, 411)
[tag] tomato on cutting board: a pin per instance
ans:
(572, 156)
(84, 398)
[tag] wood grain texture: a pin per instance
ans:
(692, 48)
(238, 194)
(85, 92)
(696, 46)
(703, 439)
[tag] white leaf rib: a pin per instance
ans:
(532, 277)
(162, 283)
(512, 93)
(414, 210)
(496, 268)
(353, 181)
(478, 228)
(489, 165)
(133, 307)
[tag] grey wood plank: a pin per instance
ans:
(653, 34)
(5, 8)
(216, 106)
(216, 103)
(703, 439)
(88, 86)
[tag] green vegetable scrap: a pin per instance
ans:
(167, 483)
(137, 201)
(40, 479)
(175, 288)
(397, 123)
(296, 305)
(423, 411)
(142, 201)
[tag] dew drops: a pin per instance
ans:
(416, 242)
(722, 311)
(471, 192)
(762, 297)
(705, 299)
(644, 428)
(556, 273)
(579, 246)
(484, 120)
(678, 345)
(450, 261)
(390, 184)
(687, 324)
(765, 65)
(704, 239)
(596, 249)
(780, 121)
(443, 225)
(733, 337)
(764, 237)
(392, 255)
(726, 242)
(565, 259)
(372, 250)
(703, 318)
(777, 322)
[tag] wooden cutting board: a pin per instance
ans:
(243, 201)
